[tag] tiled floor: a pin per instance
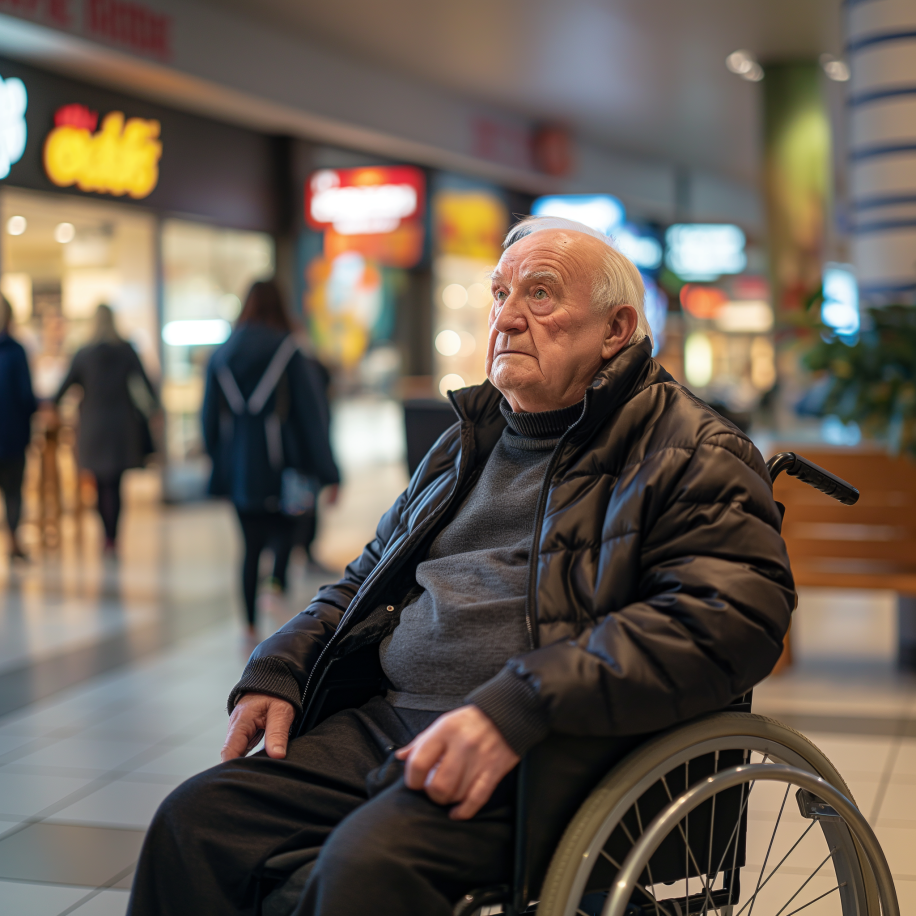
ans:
(83, 768)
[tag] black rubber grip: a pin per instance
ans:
(813, 475)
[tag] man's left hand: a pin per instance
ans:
(459, 760)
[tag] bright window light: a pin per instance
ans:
(840, 309)
(744, 64)
(698, 360)
(598, 211)
(196, 333)
(643, 250)
(450, 382)
(16, 225)
(705, 251)
(448, 343)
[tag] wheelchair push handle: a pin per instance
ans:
(813, 475)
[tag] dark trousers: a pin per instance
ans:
(11, 473)
(108, 490)
(375, 845)
(260, 530)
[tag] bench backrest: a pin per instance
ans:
(869, 545)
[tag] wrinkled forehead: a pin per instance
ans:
(557, 251)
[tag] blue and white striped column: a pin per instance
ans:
(881, 49)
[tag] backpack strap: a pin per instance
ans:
(233, 396)
(271, 377)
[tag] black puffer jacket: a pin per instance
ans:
(659, 585)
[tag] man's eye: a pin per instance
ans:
(500, 295)
(540, 294)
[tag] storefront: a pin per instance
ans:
(164, 216)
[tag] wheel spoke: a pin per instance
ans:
(766, 858)
(648, 864)
(808, 879)
(664, 910)
(773, 872)
(806, 905)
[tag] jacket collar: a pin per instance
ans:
(616, 382)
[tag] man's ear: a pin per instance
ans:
(619, 328)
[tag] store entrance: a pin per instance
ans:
(62, 257)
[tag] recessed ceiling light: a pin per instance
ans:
(16, 225)
(64, 232)
(744, 64)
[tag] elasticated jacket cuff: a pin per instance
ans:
(270, 676)
(514, 708)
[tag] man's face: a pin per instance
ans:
(547, 340)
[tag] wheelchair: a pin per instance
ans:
(729, 814)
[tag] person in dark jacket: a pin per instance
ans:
(17, 404)
(589, 551)
(263, 414)
(117, 401)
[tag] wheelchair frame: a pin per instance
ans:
(827, 792)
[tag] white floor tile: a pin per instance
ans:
(855, 754)
(20, 899)
(118, 804)
(184, 761)
(86, 753)
(26, 794)
(108, 903)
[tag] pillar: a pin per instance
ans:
(881, 49)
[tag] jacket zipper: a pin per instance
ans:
(539, 520)
(379, 570)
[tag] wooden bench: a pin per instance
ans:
(871, 545)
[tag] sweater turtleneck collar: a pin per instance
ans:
(542, 429)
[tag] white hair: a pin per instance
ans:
(618, 281)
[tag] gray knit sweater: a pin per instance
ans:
(452, 642)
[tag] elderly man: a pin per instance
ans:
(589, 551)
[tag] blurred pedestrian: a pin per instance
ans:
(306, 524)
(17, 404)
(265, 429)
(117, 403)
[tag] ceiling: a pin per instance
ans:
(645, 77)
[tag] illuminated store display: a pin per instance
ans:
(840, 309)
(599, 211)
(470, 225)
(698, 251)
(13, 132)
(122, 157)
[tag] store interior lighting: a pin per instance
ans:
(450, 382)
(837, 70)
(840, 309)
(16, 225)
(448, 343)
(698, 362)
(743, 63)
(196, 333)
(64, 233)
(455, 296)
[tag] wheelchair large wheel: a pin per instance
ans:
(740, 852)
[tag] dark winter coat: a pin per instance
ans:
(117, 399)
(659, 586)
(17, 402)
(238, 446)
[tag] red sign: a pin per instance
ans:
(130, 25)
(375, 200)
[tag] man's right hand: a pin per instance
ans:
(256, 714)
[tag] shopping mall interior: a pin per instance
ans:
(754, 162)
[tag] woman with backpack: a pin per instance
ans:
(265, 430)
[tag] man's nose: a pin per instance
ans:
(509, 316)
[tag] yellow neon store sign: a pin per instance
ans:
(122, 157)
